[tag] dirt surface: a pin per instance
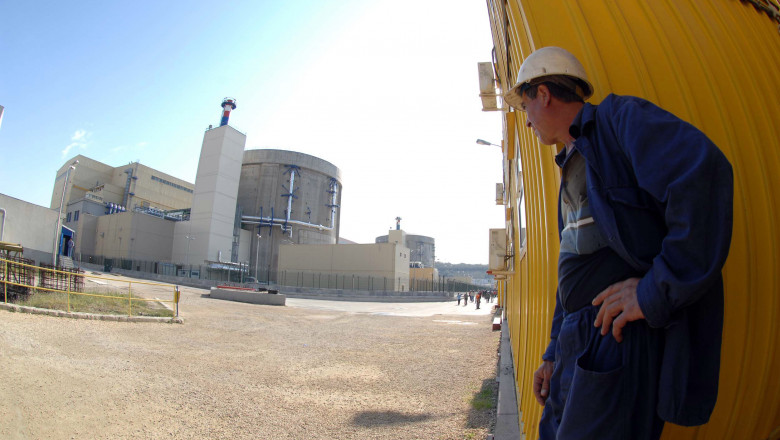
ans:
(308, 370)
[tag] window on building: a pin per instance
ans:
(175, 185)
(67, 219)
(76, 216)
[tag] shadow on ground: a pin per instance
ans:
(383, 418)
(482, 408)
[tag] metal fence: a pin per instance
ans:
(240, 273)
(17, 275)
(20, 279)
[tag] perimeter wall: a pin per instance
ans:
(713, 63)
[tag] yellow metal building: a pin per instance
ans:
(714, 63)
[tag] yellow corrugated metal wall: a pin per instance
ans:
(714, 63)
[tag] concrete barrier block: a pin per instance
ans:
(251, 297)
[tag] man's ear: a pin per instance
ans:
(543, 93)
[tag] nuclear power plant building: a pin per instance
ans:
(270, 214)
(243, 206)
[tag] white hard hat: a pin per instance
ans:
(544, 62)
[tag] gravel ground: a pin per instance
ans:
(310, 370)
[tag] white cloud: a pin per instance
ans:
(79, 139)
(68, 148)
(78, 135)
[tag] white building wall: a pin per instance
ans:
(214, 201)
(88, 174)
(30, 225)
(181, 251)
(151, 238)
(133, 235)
(397, 236)
(244, 245)
(381, 261)
(113, 232)
(107, 184)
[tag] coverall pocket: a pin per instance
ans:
(595, 407)
(629, 196)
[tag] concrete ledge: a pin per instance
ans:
(436, 296)
(507, 413)
(378, 299)
(93, 316)
(248, 296)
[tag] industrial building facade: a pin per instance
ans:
(287, 198)
(99, 201)
(380, 266)
(245, 207)
(259, 213)
(422, 248)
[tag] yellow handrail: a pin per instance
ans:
(70, 281)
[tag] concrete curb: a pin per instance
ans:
(92, 316)
(361, 298)
(507, 413)
(249, 296)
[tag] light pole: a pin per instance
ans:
(484, 142)
(187, 257)
(55, 248)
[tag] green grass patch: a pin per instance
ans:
(484, 399)
(120, 305)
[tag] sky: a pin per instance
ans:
(385, 90)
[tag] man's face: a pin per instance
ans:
(536, 117)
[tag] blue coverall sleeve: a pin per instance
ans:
(549, 354)
(693, 181)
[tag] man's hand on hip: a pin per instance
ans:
(542, 381)
(619, 306)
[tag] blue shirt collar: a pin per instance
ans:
(583, 120)
(579, 125)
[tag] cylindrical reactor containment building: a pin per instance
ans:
(287, 197)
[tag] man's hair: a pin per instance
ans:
(553, 83)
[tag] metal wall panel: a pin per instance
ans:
(716, 64)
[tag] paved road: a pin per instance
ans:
(395, 309)
(311, 370)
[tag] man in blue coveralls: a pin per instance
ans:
(645, 217)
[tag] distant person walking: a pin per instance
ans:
(71, 245)
(459, 299)
(479, 296)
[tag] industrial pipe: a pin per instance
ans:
(290, 197)
(333, 190)
(266, 221)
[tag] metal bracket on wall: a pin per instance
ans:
(508, 257)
